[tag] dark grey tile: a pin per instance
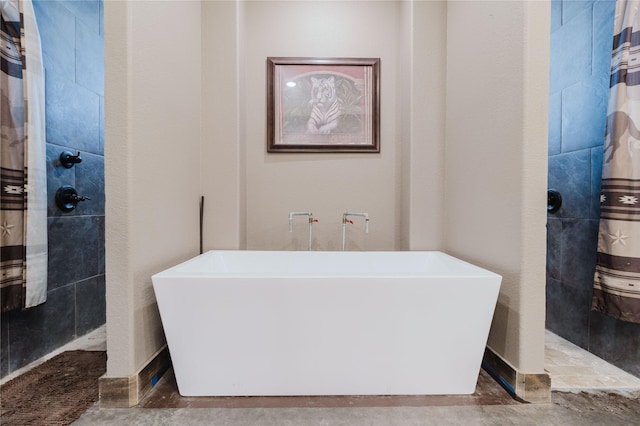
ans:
(90, 182)
(75, 249)
(570, 55)
(603, 14)
(579, 247)
(101, 244)
(556, 14)
(555, 123)
(42, 329)
(554, 247)
(101, 18)
(571, 175)
(615, 341)
(573, 8)
(72, 114)
(567, 312)
(56, 25)
(4, 345)
(584, 112)
(90, 304)
(89, 59)
(596, 181)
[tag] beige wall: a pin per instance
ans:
(152, 110)
(422, 80)
(260, 189)
(222, 159)
(210, 102)
(495, 168)
(326, 184)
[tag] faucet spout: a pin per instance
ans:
(311, 220)
(345, 220)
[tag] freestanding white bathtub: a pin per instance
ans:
(326, 323)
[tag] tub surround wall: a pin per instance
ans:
(218, 110)
(581, 38)
(72, 46)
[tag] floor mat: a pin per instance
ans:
(54, 393)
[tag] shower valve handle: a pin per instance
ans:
(68, 159)
(67, 198)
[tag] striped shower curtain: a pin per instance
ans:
(23, 188)
(617, 277)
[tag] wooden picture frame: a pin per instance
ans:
(323, 105)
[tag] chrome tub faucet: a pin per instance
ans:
(345, 220)
(311, 221)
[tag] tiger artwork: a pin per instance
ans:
(326, 106)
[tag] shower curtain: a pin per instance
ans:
(23, 188)
(617, 277)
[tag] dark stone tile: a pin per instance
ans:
(567, 312)
(555, 123)
(42, 329)
(584, 112)
(571, 175)
(57, 176)
(56, 25)
(90, 182)
(570, 56)
(90, 304)
(4, 345)
(573, 8)
(75, 249)
(101, 245)
(603, 14)
(89, 59)
(596, 181)
(556, 14)
(579, 247)
(615, 341)
(101, 129)
(72, 114)
(554, 247)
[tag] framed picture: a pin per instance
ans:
(323, 105)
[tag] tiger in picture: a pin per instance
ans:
(326, 106)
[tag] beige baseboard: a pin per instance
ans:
(124, 392)
(535, 388)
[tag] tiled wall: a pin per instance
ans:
(72, 44)
(581, 39)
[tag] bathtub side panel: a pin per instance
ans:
(350, 336)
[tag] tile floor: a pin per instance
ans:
(572, 368)
(586, 391)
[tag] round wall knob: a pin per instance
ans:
(67, 198)
(554, 201)
(68, 159)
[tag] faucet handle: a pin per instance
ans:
(68, 159)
